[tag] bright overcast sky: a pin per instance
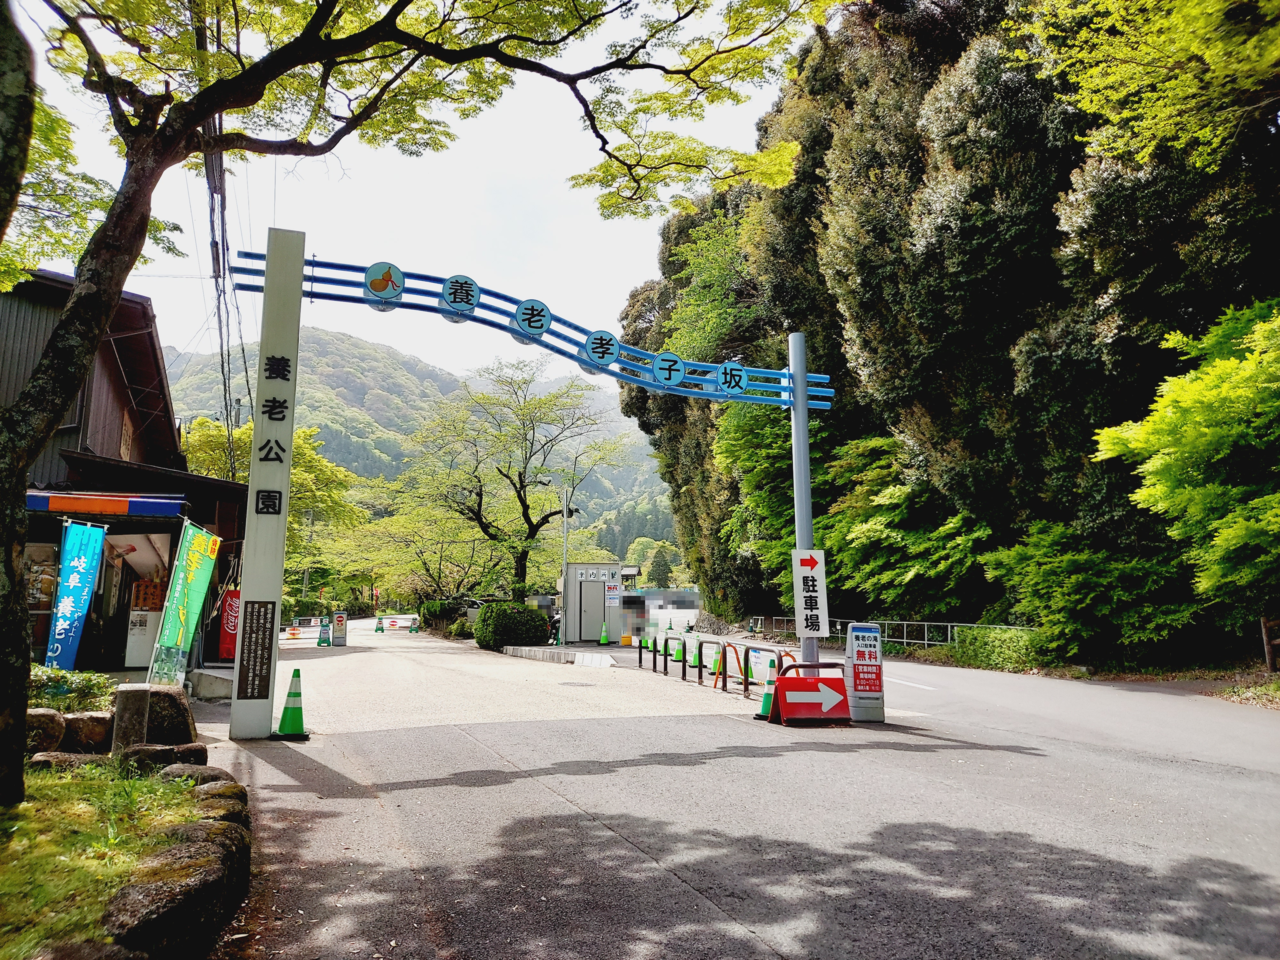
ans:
(495, 206)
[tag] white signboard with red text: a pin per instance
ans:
(864, 672)
(809, 582)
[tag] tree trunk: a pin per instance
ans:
(27, 425)
(521, 573)
(17, 108)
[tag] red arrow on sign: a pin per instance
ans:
(810, 561)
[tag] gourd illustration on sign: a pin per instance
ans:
(381, 283)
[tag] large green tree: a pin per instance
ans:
(497, 452)
(181, 80)
(1206, 454)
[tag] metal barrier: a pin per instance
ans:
(741, 651)
(816, 665)
(924, 633)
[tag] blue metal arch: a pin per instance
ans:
(633, 365)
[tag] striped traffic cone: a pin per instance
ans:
(291, 727)
(766, 702)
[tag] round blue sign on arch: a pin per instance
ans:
(668, 369)
(384, 281)
(533, 317)
(461, 295)
(731, 378)
(602, 348)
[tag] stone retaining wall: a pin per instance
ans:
(178, 900)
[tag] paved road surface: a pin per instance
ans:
(468, 805)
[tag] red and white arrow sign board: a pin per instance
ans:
(809, 583)
(811, 698)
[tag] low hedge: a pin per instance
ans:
(509, 625)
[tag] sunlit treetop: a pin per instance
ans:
(296, 79)
(1189, 74)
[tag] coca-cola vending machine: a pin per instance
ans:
(230, 623)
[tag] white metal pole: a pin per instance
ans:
(799, 378)
(564, 566)
(271, 457)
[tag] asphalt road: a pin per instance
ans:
(460, 804)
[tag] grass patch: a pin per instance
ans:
(67, 850)
(1256, 694)
(69, 691)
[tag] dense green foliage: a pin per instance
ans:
(1193, 74)
(60, 205)
(509, 625)
(986, 295)
(1207, 458)
(68, 691)
(617, 529)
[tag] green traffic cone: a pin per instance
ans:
(766, 701)
(291, 719)
(604, 634)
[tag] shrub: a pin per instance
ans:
(441, 613)
(461, 628)
(68, 690)
(991, 649)
(509, 624)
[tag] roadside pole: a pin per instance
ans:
(271, 457)
(799, 377)
(564, 566)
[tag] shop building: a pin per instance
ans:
(116, 461)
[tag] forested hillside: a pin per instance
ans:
(367, 399)
(987, 292)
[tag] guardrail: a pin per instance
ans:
(740, 649)
(923, 633)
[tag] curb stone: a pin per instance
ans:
(178, 900)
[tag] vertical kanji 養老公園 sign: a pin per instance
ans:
(270, 460)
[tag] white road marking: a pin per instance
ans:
(909, 683)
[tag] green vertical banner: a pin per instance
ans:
(188, 583)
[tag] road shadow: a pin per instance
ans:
(924, 742)
(569, 887)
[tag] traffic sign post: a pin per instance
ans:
(809, 588)
(340, 628)
(864, 672)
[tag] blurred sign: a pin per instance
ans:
(192, 567)
(863, 671)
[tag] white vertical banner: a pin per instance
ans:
(271, 456)
(809, 584)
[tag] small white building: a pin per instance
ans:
(590, 600)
